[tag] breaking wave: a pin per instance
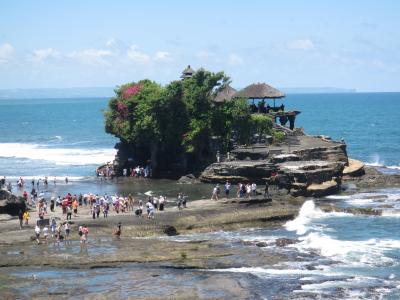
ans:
(60, 156)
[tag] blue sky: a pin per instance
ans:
(347, 44)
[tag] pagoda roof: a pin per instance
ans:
(188, 72)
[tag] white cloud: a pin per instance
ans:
(92, 56)
(162, 56)
(234, 60)
(6, 52)
(137, 56)
(41, 55)
(111, 43)
(301, 44)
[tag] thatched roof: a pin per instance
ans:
(225, 95)
(259, 91)
(187, 73)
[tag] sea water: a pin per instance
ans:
(53, 137)
(66, 137)
(337, 255)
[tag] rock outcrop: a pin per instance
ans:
(11, 204)
(238, 171)
(305, 165)
(354, 169)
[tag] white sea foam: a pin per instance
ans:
(262, 271)
(317, 238)
(307, 213)
(338, 197)
(368, 252)
(377, 162)
(60, 156)
(59, 178)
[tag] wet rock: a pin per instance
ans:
(283, 242)
(170, 231)
(247, 243)
(261, 244)
(11, 204)
(187, 179)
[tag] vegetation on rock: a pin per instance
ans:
(177, 124)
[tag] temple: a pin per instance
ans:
(187, 73)
(259, 93)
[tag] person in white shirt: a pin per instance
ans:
(150, 210)
(45, 233)
(254, 189)
(161, 201)
(37, 233)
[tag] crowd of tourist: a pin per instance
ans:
(243, 190)
(107, 172)
(50, 227)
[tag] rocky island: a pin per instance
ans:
(201, 125)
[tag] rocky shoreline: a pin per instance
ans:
(202, 216)
(156, 242)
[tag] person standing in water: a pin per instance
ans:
(26, 217)
(20, 218)
(118, 231)
(37, 233)
(227, 189)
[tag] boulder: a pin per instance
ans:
(187, 179)
(354, 169)
(261, 244)
(11, 204)
(323, 189)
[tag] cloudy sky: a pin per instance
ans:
(284, 43)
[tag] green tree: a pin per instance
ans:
(261, 124)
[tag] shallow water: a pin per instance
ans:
(338, 255)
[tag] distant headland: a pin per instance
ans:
(108, 91)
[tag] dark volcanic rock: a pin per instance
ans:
(11, 204)
(170, 231)
(261, 244)
(283, 242)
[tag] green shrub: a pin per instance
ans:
(279, 136)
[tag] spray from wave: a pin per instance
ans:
(320, 237)
(60, 156)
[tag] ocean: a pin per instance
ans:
(66, 137)
(338, 255)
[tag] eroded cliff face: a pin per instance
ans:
(304, 165)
